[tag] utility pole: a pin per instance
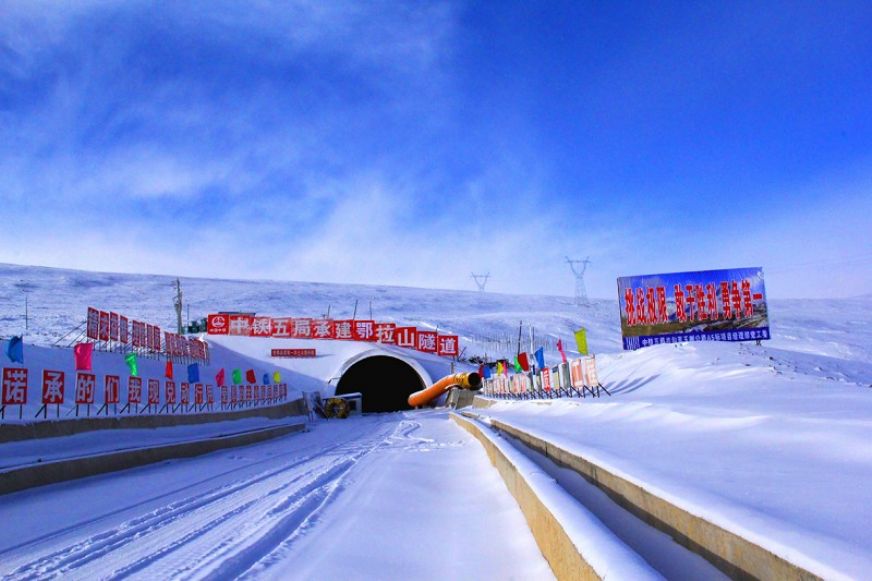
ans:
(578, 268)
(480, 280)
(178, 305)
(26, 318)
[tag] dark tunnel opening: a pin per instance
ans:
(385, 382)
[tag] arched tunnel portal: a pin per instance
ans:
(385, 382)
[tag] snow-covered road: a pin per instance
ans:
(377, 497)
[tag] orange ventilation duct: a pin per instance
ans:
(461, 380)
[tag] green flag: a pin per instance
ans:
(518, 368)
(581, 340)
(237, 377)
(130, 360)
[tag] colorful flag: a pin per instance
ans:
(15, 350)
(193, 373)
(130, 360)
(82, 354)
(219, 377)
(251, 376)
(560, 348)
(540, 357)
(517, 364)
(581, 340)
(277, 377)
(237, 376)
(524, 360)
(505, 366)
(266, 378)
(499, 367)
(486, 371)
(168, 371)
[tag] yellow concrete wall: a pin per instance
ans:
(736, 556)
(562, 555)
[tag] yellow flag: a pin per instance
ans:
(277, 377)
(581, 340)
(499, 368)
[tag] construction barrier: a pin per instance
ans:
(576, 378)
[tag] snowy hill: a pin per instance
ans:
(748, 435)
(840, 330)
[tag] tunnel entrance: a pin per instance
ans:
(385, 382)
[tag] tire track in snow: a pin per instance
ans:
(106, 551)
(170, 493)
(97, 545)
(262, 556)
(231, 555)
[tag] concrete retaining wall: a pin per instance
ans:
(67, 427)
(561, 543)
(460, 398)
(482, 402)
(62, 470)
(734, 555)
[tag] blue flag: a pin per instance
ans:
(540, 357)
(15, 350)
(486, 372)
(266, 378)
(193, 373)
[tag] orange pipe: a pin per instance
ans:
(461, 380)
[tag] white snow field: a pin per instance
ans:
(405, 495)
(771, 441)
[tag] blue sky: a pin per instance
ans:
(414, 142)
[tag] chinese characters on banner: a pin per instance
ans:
(426, 341)
(546, 379)
(103, 333)
(109, 326)
(134, 390)
(93, 324)
(447, 345)
(153, 391)
(249, 325)
(52, 387)
(713, 305)
(113, 326)
(111, 389)
(14, 386)
(85, 386)
(405, 337)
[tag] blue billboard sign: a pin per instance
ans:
(710, 305)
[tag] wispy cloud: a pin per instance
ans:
(384, 142)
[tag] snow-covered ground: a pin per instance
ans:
(771, 440)
(404, 495)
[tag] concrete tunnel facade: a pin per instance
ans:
(384, 378)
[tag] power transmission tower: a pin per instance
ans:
(578, 269)
(480, 280)
(178, 304)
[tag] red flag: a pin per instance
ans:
(524, 361)
(219, 379)
(560, 348)
(251, 377)
(169, 370)
(82, 353)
